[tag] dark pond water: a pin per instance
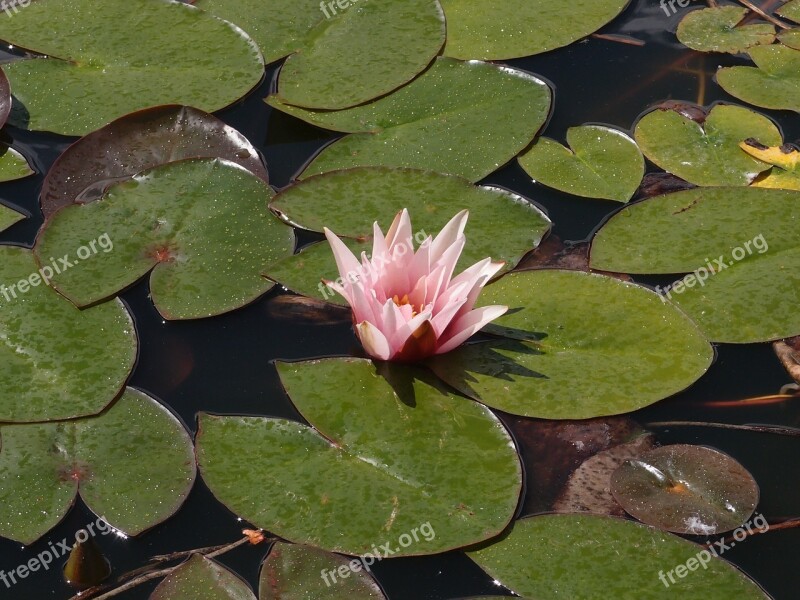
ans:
(223, 365)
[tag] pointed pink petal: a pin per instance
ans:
(374, 342)
(468, 325)
(404, 331)
(400, 230)
(443, 318)
(346, 262)
(448, 260)
(449, 234)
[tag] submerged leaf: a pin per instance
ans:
(201, 578)
(437, 122)
(715, 30)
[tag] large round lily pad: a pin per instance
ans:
(437, 122)
(57, 362)
(739, 246)
(492, 30)
(132, 465)
(686, 489)
(201, 225)
(137, 142)
(707, 154)
(715, 30)
(201, 578)
(424, 471)
(584, 345)
(102, 64)
(773, 83)
(551, 557)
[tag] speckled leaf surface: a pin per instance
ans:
(132, 465)
(502, 225)
(13, 165)
(715, 30)
(201, 225)
(585, 345)
(742, 242)
(368, 452)
(488, 30)
(600, 162)
(437, 122)
(201, 578)
(790, 10)
(549, 557)
(131, 54)
(137, 142)
(773, 83)
(57, 362)
(294, 572)
(790, 37)
(707, 154)
(9, 216)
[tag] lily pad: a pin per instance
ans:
(490, 30)
(790, 37)
(773, 83)
(437, 122)
(502, 225)
(790, 10)
(602, 163)
(596, 346)
(9, 217)
(137, 142)
(201, 578)
(201, 225)
(686, 489)
(102, 64)
(57, 362)
(13, 165)
(293, 572)
(367, 453)
(715, 30)
(786, 160)
(589, 556)
(707, 154)
(739, 246)
(132, 465)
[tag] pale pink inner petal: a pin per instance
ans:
(374, 342)
(468, 325)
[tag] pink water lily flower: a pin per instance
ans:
(407, 305)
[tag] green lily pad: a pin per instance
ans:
(599, 346)
(137, 142)
(13, 165)
(743, 259)
(201, 225)
(367, 453)
(790, 37)
(102, 64)
(502, 225)
(293, 572)
(686, 489)
(201, 578)
(773, 83)
(9, 217)
(589, 556)
(490, 30)
(317, 35)
(57, 362)
(715, 30)
(132, 465)
(602, 163)
(790, 10)
(437, 122)
(707, 154)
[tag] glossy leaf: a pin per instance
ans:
(9, 217)
(437, 122)
(600, 162)
(102, 64)
(57, 362)
(686, 489)
(490, 30)
(13, 165)
(5, 98)
(790, 10)
(137, 142)
(790, 37)
(201, 578)
(586, 556)
(786, 160)
(715, 30)
(293, 572)
(132, 465)
(748, 261)
(773, 83)
(585, 345)
(367, 452)
(201, 225)
(707, 154)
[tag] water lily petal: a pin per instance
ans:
(468, 325)
(346, 262)
(374, 342)
(448, 235)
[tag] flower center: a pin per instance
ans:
(404, 301)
